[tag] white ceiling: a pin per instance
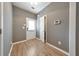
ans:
(29, 6)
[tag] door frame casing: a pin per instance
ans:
(72, 28)
(2, 29)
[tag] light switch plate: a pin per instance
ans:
(59, 43)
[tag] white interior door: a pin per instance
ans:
(30, 28)
(42, 28)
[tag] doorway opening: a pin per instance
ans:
(30, 28)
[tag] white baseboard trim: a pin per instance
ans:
(39, 39)
(22, 41)
(10, 50)
(58, 49)
(19, 42)
(16, 43)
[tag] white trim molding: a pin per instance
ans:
(39, 39)
(58, 48)
(72, 28)
(10, 50)
(2, 29)
(12, 44)
(19, 42)
(23, 41)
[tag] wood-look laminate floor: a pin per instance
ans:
(34, 47)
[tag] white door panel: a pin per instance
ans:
(42, 28)
(30, 28)
(31, 34)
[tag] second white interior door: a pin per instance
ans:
(42, 28)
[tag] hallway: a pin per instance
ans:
(55, 23)
(34, 47)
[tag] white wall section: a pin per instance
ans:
(7, 27)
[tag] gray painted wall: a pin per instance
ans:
(19, 18)
(55, 33)
(0, 28)
(7, 27)
(77, 30)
